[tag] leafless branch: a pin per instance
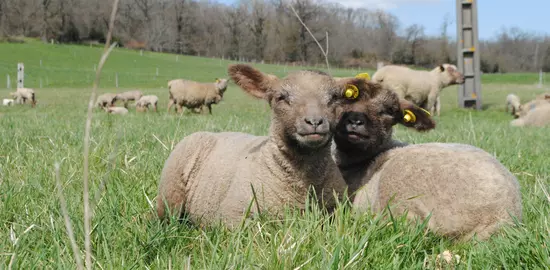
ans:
(325, 52)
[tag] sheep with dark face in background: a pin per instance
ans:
(538, 116)
(421, 87)
(466, 190)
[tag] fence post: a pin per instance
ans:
(8, 83)
(20, 75)
(157, 71)
(116, 79)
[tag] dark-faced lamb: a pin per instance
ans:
(465, 190)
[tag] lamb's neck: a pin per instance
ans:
(289, 165)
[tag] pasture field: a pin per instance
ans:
(127, 154)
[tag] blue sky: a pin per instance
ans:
(529, 15)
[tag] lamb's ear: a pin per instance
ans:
(415, 117)
(442, 68)
(547, 96)
(250, 80)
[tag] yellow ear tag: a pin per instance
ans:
(409, 116)
(427, 112)
(217, 80)
(352, 92)
(363, 75)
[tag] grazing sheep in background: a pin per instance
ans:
(128, 96)
(21, 95)
(421, 87)
(7, 102)
(106, 100)
(193, 95)
(210, 176)
(529, 106)
(537, 117)
(513, 103)
(145, 101)
(116, 110)
(466, 190)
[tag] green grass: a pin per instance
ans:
(128, 152)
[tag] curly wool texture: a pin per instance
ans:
(421, 87)
(193, 95)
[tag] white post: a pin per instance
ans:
(20, 75)
(177, 58)
(157, 71)
(141, 52)
(8, 82)
(40, 62)
(116, 79)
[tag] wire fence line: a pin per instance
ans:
(40, 74)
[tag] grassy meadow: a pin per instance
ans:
(127, 154)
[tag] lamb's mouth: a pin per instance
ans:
(314, 138)
(354, 135)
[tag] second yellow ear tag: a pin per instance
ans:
(352, 92)
(409, 116)
(217, 80)
(363, 75)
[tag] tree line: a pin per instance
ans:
(267, 30)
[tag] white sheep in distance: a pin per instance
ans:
(116, 110)
(21, 95)
(513, 104)
(193, 95)
(421, 87)
(105, 100)
(145, 101)
(7, 102)
(126, 97)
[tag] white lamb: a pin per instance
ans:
(513, 104)
(7, 102)
(423, 88)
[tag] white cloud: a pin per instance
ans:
(381, 4)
